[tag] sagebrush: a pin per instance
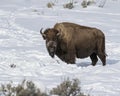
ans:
(84, 4)
(68, 88)
(28, 88)
(68, 5)
(50, 4)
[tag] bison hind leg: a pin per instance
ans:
(102, 58)
(94, 58)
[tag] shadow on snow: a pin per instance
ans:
(108, 62)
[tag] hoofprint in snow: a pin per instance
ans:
(23, 54)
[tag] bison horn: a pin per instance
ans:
(41, 30)
(43, 35)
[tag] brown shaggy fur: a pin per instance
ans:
(74, 40)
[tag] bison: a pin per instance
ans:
(70, 41)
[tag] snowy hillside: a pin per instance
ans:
(22, 46)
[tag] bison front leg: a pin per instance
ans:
(67, 57)
(70, 57)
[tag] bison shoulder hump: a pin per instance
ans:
(65, 35)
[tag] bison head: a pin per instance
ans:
(50, 36)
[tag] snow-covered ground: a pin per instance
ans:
(22, 46)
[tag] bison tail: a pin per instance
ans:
(101, 49)
(101, 45)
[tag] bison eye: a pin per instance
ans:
(47, 40)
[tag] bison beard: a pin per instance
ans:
(69, 40)
(51, 47)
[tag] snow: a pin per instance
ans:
(22, 45)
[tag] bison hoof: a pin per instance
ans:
(93, 64)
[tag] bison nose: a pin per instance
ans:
(52, 52)
(52, 55)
